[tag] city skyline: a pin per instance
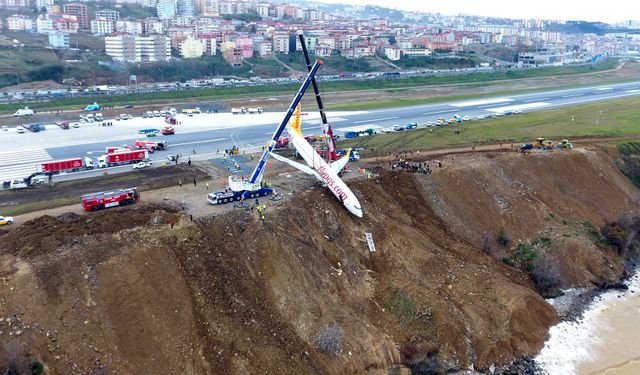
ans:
(615, 11)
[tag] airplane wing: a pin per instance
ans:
(336, 166)
(297, 165)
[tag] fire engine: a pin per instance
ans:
(101, 200)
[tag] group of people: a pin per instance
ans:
(411, 166)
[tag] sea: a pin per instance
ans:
(606, 340)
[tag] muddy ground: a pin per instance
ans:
(120, 291)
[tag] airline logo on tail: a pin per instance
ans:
(296, 123)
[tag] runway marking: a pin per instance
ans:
(375, 119)
(571, 96)
(632, 91)
(604, 89)
(519, 106)
(359, 128)
(437, 112)
(534, 100)
(24, 156)
(481, 102)
(198, 142)
(16, 171)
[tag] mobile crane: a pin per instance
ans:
(241, 188)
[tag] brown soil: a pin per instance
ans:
(121, 292)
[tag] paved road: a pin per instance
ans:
(207, 135)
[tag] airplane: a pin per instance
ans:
(93, 107)
(318, 167)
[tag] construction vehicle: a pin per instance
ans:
(232, 151)
(564, 144)
(122, 157)
(282, 142)
(168, 130)
(169, 119)
(240, 188)
(543, 144)
(20, 183)
(101, 200)
(112, 149)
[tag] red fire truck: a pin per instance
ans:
(101, 200)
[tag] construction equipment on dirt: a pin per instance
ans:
(326, 173)
(232, 151)
(240, 188)
(542, 143)
(565, 144)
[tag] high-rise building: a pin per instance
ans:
(101, 26)
(81, 12)
(134, 48)
(166, 9)
(186, 8)
(58, 40)
(14, 3)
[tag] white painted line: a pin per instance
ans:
(534, 100)
(632, 91)
(571, 96)
(375, 119)
(487, 106)
(519, 106)
(604, 89)
(481, 102)
(360, 128)
(198, 142)
(437, 112)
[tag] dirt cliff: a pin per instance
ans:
(120, 292)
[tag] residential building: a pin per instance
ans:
(101, 26)
(81, 12)
(416, 52)
(19, 22)
(263, 10)
(191, 48)
(134, 48)
(58, 40)
(108, 14)
(152, 26)
(265, 49)
(392, 53)
(323, 50)
(129, 27)
(14, 3)
(208, 44)
(43, 3)
(208, 8)
(54, 9)
(226, 7)
(233, 56)
(246, 45)
(44, 24)
(166, 9)
(186, 8)
(281, 43)
(66, 24)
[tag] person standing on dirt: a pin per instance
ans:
(180, 183)
(194, 182)
(189, 162)
(172, 223)
(207, 185)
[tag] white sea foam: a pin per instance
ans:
(572, 343)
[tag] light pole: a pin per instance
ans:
(17, 79)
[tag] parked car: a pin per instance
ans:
(142, 165)
(411, 125)
(6, 220)
(398, 128)
(20, 129)
(5, 128)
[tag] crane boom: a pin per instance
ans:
(259, 169)
(326, 128)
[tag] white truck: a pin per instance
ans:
(255, 110)
(20, 183)
(26, 111)
(237, 111)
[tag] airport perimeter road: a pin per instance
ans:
(211, 134)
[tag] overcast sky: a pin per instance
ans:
(610, 11)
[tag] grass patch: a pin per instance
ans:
(39, 206)
(602, 119)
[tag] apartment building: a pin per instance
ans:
(101, 26)
(208, 8)
(81, 12)
(14, 3)
(43, 3)
(233, 56)
(134, 48)
(44, 24)
(19, 23)
(58, 40)
(191, 48)
(66, 24)
(108, 14)
(166, 9)
(129, 27)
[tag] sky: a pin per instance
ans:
(610, 11)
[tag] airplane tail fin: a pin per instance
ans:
(296, 123)
(338, 165)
